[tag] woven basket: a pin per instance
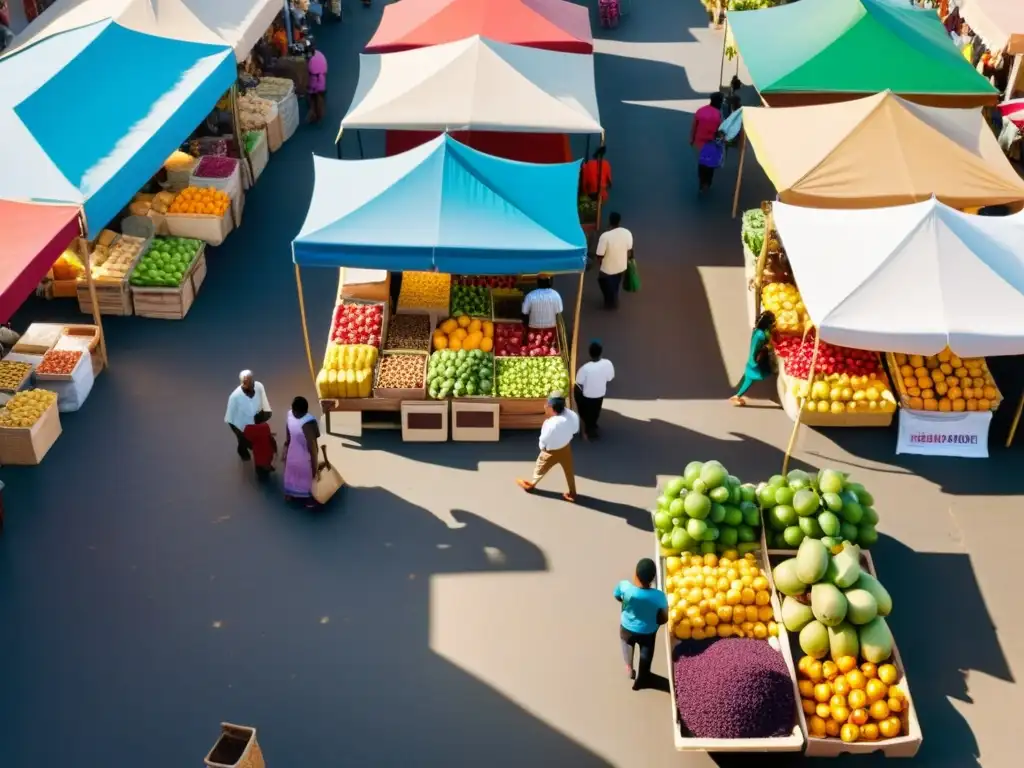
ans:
(236, 748)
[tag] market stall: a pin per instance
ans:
(936, 289)
(1000, 24)
(452, 342)
(878, 151)
(778, 636)
(821, 51)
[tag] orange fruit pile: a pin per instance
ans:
(201, 200)
(855, 704)
(945, 382)
(464, 333)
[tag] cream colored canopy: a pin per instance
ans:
(880, 151)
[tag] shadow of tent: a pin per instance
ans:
(320, 638)
(671, 24)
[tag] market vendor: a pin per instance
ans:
(542, 305)
(248, 401)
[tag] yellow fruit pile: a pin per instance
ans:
(201, 200)
(425, 290)
(783, 300)
(464, 333)
(26, 408)
(347, 371)
(12, 374)
(842, 393)
(711, 596)
(944, 382)
(855, 704)
(68, 266)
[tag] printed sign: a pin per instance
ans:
(927, 433)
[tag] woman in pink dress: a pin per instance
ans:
(300, 445)
(317, 88)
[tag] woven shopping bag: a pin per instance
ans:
(236, 748)
(328, 480)
(631, 283)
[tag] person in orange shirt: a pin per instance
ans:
(598, 167)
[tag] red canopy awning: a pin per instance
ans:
(32, 237)
(554, 25)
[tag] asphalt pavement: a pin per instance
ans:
(436, 615)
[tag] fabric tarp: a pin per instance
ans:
(461, 211)
(476, 84)
(525, 147)
(912, 278)
(235, 23)
(878, 151)
(32, 238)
(1000, 23)
(80, 131)
(817, 51)
(553, 25)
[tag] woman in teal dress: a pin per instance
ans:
(757, 361)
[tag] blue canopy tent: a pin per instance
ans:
(90, 114)
(442, 206)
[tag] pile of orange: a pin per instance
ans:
(464, 332)
(945, 382)
(201, 200)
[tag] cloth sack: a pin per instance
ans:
(712, 154)
(631, 283)
(328, 479)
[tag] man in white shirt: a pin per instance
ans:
(247, 401)
(614, 250)
(591, 387)
(542, 305)
(556, 445)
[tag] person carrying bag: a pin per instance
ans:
(328, 479)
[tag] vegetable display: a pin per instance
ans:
(205, 201)
(410, 332)
(945, 382)
(707, 510)
(472, 300)
(515, 340)
(357, 324)
(212, 167)
(733, 688)
(253, 112)
(825, 506)
(840, 699)
(508, 339)
(425, 290)
(400, 372)
(462, 373)
(490, 281)
(347, 371)
(712, 597)
(59, 362)
(753, 230)
(531, 377)
(25, 408)
(464, 333)
(12, 374)
(166, 263)
(838, 608)
(783, 300)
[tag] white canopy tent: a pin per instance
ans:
(236, 23)
(913, 278)
(476, 84)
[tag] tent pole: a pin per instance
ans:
(359, 139)
(305, 328)
(762, 259)
(725, 40)
(337, 142)
(1016, 421)
(600, 191)
(576, 339)
(739, 173)
(83, 252)
(239, 138)
(801, 402)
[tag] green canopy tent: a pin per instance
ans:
(821, 51)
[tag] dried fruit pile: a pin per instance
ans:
(425, 290)
(26, 408)
(409, 332)
(59, 362)
(400, 372)
(12, 374)
(115, 262)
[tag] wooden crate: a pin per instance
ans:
(379, 291)
(26, 446)
(84, 359)
(38, 339)
(793, 742)
(905, 745)
(425, 422)
(171, 303)
(113, 296)
(521, 413)
(64, 289)
(418, 393)
(790, 405)
(476, 420)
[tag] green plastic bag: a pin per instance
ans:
(631, 284)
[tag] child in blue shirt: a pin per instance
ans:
(644, 609)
